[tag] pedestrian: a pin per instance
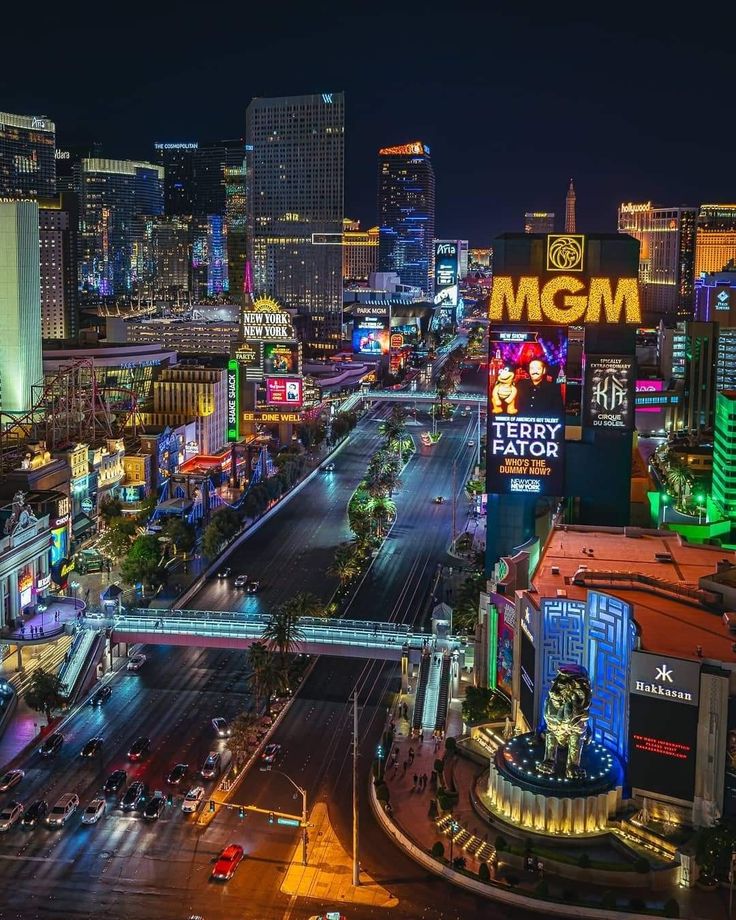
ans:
(411, 754)
(416, 781)
(405, 765)
(421, 736)
(424, 780)
(41, 629)
(23, 631)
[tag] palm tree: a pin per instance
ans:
(345, 565)
(266, 678)
(305, 604)
(282, 633)
(679, 478)
(243, 737)
(382, 511)
(394, 428)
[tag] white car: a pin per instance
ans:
(241, 581)
(10, 815)
(192, 799)
(136, 662)
(94, 811)
(63, 810)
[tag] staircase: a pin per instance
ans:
(421, 690)
(442, 699)
(464, 839)
(78, 655)
(432, 695)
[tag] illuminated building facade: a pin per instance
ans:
(177, 159)
(20, 296)
(184, 393)
(715, 240)
(27, 161)
(58, 236)
(406, 214)
(724, 453)
(168, 242)
(236, 221)
(360, 251)
(296, 191)
(211, 160)
(539, 222)
(115, 196)
(666, 257)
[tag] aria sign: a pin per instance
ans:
(564, 300)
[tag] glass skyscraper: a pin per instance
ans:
(27, 156)
(296, 145)
(115, 197)
(177, 158)
(406, 214)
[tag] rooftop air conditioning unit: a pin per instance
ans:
(555, 570)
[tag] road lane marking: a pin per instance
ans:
(57, 859)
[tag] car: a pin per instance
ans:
(211, 766)
(94, 811)
(241, 581)
(269, 755)
(227, 862)
(92, 748)
(63, 810)
(134, 796)
(10, 779)
(192, 799)
(330, 915)
(225, 573)
(136, 662)
(10, 815)
(35, 813)
(101, 696)
(471, 443)
(51, 745)
(221, 727)
(177, 774)
(114, 782)
(438, 499)
(253, 587)
(328, 467)
(154, 806)
(139, 748)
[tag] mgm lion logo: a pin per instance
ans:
(566, 714)
(565, 253)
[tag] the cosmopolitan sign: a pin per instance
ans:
(564, 300)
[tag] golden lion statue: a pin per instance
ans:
(566, 714)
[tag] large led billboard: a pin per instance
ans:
(282, 391)
(663, 724)
(371, 337)
(526, 418)
(280, 358)
(608, 400)
(446, 272)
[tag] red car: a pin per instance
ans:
(227, 862)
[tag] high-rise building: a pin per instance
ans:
(570, 221)
(715, 239)
(58, 238)
(115, 197)
(68, 160)
(20, 295)
(359, 251)
(539, 222)
(236, 221)
(406, 214)
(169, 252)
(724, 453)
(296, 188)
(210, 162)
(27, 162)
(666, 257)
(177, 159)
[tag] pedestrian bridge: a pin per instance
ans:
(233, 629)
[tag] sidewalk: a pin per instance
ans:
(47, 622)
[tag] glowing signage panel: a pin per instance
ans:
(564, 300)
(609, 392)
(233, 399)
(446, 256)
(281, 391)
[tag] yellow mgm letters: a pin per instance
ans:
(563, 300)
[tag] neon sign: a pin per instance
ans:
(232, 400)
(564, 301)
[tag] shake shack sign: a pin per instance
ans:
(665, 678)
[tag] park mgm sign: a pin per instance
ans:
(564, 296)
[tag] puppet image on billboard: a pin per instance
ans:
(526, 417)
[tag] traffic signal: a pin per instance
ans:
(271, 818)
(212, 805)
(241, 812)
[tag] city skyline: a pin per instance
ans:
(582, 111)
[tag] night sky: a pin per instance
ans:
(631, 101)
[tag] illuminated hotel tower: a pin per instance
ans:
(570, 209)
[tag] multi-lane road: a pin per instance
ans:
(125, 867)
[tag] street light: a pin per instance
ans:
(665, 499)
(303, 793)
(379, 755)
(42, 608)
(454, 826)
(699, 500)
(74, 585)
